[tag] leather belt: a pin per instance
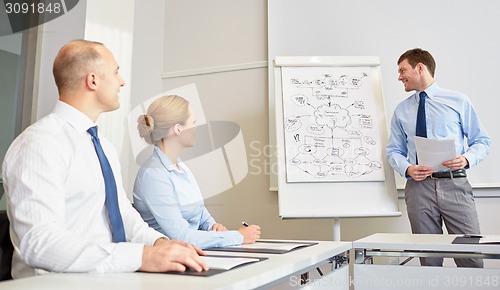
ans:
(449, 174)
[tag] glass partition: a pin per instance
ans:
(17, 71)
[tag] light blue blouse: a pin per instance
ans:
(448, 114)
(170, 201)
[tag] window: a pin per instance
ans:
(17, 79)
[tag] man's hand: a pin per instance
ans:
(169, 255)
(250, 233)
(457, 163)
(419, 172)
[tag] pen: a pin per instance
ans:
(244, 224)
(473, 236)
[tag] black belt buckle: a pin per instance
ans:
(460, 173)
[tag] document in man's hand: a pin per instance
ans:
(433, 152)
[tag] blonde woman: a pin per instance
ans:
(165, 191)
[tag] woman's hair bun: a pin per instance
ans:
(146, 125)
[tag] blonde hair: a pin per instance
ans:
(162, 115)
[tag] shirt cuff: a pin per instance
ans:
(128, 257)
(470, 160)
(237, 237)
(151, 239)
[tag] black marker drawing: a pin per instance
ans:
(330, 125)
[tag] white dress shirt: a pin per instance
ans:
(55, 201)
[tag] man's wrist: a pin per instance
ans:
(161, 240)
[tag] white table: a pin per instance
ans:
(373, 276)
(277, 269)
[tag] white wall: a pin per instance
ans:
(53, 35)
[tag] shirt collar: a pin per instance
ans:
(430, 91)
(167, 163)
(73, 116)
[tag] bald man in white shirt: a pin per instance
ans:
(55, 190)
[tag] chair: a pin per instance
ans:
(6, 248)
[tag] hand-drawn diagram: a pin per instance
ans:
(331, 125)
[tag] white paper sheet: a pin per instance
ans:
(226, 263)
(490, 240)
(433, 152)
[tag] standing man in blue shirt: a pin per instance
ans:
(434, 197)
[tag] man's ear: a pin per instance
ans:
(421, 67)
(91, 81)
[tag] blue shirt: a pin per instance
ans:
(170, 201)
(448, 114)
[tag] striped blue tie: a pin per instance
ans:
(111, 193)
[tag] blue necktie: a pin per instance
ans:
(111, 193)
(421, 129)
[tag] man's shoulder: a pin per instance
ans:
(405, 103)
(45, 127)
(452, 97)
(37, 140)
(443, 92)
(39, 133)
